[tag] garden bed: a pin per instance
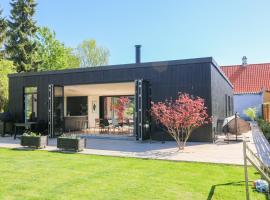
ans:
(265, 128)
(38, 142)
(71, 144)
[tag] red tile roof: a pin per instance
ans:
(251, 78)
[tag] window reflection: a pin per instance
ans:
(30, 103)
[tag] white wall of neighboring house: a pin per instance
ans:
(244, 101)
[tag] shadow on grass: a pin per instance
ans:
(24, 149)
(239, 183)
(63, 151)
(52, 151)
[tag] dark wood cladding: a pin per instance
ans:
(199, 77)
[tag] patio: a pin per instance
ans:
(220, 152)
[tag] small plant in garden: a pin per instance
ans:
(30, 133)
(71, 136)
(251, 113)
(120, 107)
(181, 116)
(265, 127)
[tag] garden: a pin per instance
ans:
(27, 174)
(265, 127)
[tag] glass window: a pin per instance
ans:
(112, 108)
(30, 104)
(77, 106)
(30, 90)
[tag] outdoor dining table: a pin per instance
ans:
(27, 125)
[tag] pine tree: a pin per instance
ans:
(20, 46)
(3, 29)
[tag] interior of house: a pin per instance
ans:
(99, 108)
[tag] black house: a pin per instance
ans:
(84, 99)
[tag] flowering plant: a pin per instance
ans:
(181, 116)
(120, 107)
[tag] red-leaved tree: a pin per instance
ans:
(120, 107)
(181, 116)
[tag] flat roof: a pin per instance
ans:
(126, 66)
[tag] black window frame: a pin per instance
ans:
(25, 92)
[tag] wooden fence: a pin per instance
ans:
(251, 157)
(266, 112)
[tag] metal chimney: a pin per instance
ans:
(138, 53)
(244, 61)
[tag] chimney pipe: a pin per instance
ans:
(244, 61)
(138, 53)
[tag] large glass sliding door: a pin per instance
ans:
(111, 110)
(55, 110)
(118, 111)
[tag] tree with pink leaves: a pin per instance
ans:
(120, 107)
(181, 116)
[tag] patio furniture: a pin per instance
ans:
(97, 125)
(6, 128)
(41, 127)
(104, 125)
(6, 124)
(75, 123)
(236, 126)
(25, 126)
(116, 125)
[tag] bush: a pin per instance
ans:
(251, 113)
(265, 127)
(31, 134)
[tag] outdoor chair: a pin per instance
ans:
(115, 125)
(97, 125)
(105, 126)
(41, 127)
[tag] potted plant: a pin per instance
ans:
(71, 143)
(32, 139)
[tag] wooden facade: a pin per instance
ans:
(200, 77)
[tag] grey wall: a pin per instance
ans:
(166, 78)
(219, 89)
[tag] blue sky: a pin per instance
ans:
(167, 30)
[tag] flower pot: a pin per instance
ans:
(38, 142)
(71, 144)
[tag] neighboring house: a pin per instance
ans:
(251, 85)
(85, 95)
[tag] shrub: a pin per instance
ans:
(265, 127)
(32, 134)
(181, 116)
(251, 113)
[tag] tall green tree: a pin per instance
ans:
(3, 29)
(6, 67)
(20, 46)
(52, 54)
(92, 55)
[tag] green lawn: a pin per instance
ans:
(47, 175)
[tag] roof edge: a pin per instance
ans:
(240, 93)
(239, 65)
(221, 72)
(119, 66)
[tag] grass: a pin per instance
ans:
(47, 175)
